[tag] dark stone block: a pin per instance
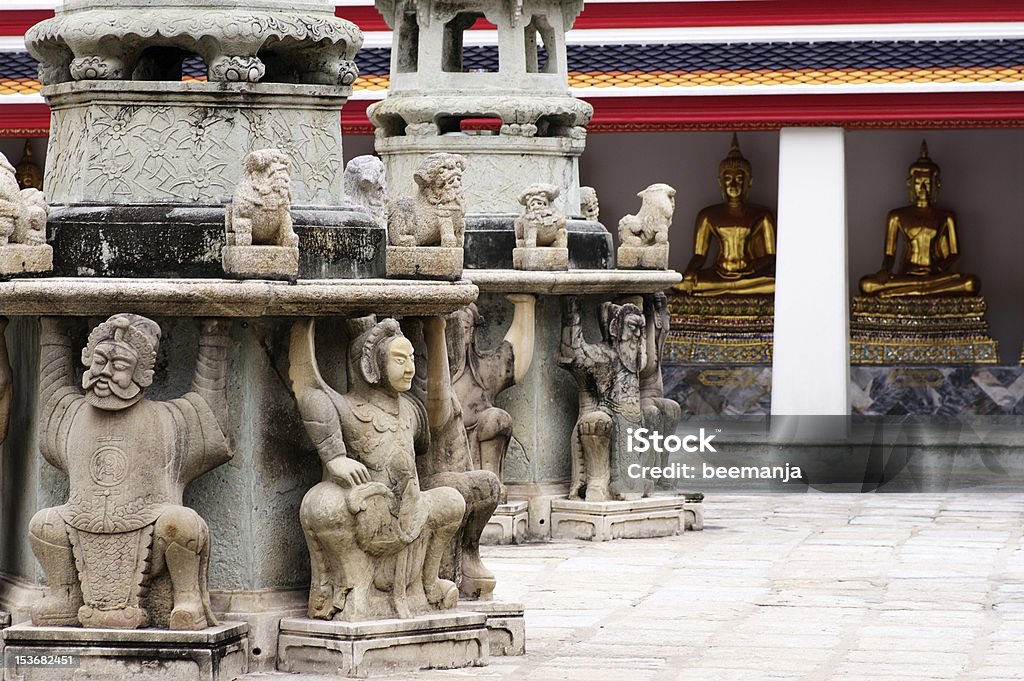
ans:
(174, 241)
(490, 240)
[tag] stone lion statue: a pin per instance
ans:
(260, 211)
(650, 226)
(542, 224)
(366, 186)
(436, 215)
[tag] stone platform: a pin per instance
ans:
(719, 330)
(424, 262)
(659, 516)
(946, 330)
(509, 524)
(506, 625)
(356, 649)
(60, 653)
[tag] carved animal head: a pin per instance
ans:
(366, 184)
(268, 172)
(539, 196)
(439, 178)
(119, 360)
(589, 205)
(659, 203)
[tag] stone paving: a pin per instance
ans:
(813, 587)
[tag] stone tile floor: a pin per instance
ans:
(835, 587)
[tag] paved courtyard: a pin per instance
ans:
(811, 587)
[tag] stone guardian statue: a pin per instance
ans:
(123, 552)
(376, 540)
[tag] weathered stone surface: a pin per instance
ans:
(196, 136)
(18, 258)
(491, 239)
(435, 214)
(439, 641)
(366, 187)
(540, 259)
(147, 40)
(506, 626)
(261, 262)
(5, 619)
(198, 297)
(375, 540)
(542, 224)
(172, 242)
(659, 516)
(509, 524)
(642, 257)
(693, 510)
(128, 460)
(218, 653)
(648, 229)
(590, 207)
(578, 282)
(424, 262)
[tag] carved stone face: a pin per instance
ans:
(590, 206)
(536, 203)
(631, 343)
(109, 379)
(401, 367)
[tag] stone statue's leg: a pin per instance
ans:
(48, 537)
(493, 432)
(181, 542)
(595, 437)
(480, 489)
(578, 467)
(447, 508)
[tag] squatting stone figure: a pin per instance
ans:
(375, 539)
(123, 551)
(479, 376)
(608, 377)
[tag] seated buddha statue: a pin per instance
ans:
(930, 252)
(744, 233)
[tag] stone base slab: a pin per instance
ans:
(19, 258)
(261, 262)
(506, 625)
(424, 262)
(509, 524)
(660, 516)
(642, 257)
(218, 653)
(356, 649)
(540, 259)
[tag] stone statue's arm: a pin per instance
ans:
(439, 378)
(6, 382)
(210, 380)
(319, 415)
(520, 335)
(574, 344)
(57, 390)
(656, 316)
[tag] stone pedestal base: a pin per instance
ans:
(720, 330)
(261, 262)
(642, 257)
(660, 516)
(218, 653)
(946, 330)
(509, 524)
(424, 262)
(5, 619)
(693, 510)
(506, 625)
(356, 649)
(540, 259)
(19, 258)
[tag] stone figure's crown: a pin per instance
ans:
(139, 332)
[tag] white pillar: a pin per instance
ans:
(811, 361)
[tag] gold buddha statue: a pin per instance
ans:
(744, 233)
(930, 251)
(27, 173)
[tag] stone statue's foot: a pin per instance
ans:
(473, 567)
(443, 594)
(188, 616)
(597, 493)
(130, 617)
(56, 612)
(477, 588)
